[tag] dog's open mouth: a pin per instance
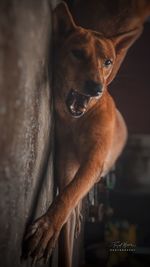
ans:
(77, 103)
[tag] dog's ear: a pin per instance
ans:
(63, 23)
(125, 40)
(122, 43)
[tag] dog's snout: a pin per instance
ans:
(93, 88)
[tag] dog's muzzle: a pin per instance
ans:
(77, 103)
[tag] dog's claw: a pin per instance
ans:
(34, 242)
(30, 233)
(34, 261)
(48, 254)
(50, 248)
(46, 259)
(79, 219)
(31, 230)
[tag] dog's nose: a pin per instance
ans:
(93, 88)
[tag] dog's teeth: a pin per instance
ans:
(72, 107)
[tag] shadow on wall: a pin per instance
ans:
(26, 127)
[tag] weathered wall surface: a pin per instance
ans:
(26, 183)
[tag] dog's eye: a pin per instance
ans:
(79, 54)
(107, 63)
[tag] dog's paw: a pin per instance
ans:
(40, 239)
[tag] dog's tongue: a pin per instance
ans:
(77, 103)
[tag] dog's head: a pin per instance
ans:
(85, 62)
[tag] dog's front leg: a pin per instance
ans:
(43, 234)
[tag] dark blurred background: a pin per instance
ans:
(131, 87)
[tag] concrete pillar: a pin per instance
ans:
(26, 142)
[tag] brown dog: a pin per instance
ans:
(90, 131)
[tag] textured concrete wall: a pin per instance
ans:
(25, 121)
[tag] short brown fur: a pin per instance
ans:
(90, 131)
